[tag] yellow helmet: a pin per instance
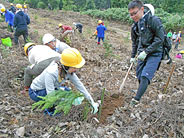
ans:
(182, 51)
(19, 6)
(99, 21)
(3, 9)
(25, 6)
(179, 31)
(27, 45)
(71, 57)
(11, 4)
(60, 25)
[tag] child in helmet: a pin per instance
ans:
(57, 73)
(100, 31)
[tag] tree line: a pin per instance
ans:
(171, 6)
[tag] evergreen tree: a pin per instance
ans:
(90, 4)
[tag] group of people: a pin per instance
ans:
(52, 67)
(54, 62)
(17, 19)
(176, 38)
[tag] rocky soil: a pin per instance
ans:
(160, 114)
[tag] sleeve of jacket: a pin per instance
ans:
(27, 19)
(134, 38)
(105, 28)
(158, 30)
(6, 17)
(15, 21)
(79, 85)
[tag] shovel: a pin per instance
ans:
(123, 83)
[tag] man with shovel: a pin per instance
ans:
(147, 36)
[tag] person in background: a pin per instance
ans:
(169, 34)
(100, 31)
(53, 43)
(174, 36)
(21, 21)
(178, 39)
(78, 26)
(1, 6)
(25, 10)
(9, 18)
(65, 30)
(12, 8)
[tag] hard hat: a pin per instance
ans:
(25, 6)
(47, 38)
(182, 51)
(19, 6)
(99, 21)
(11, 4)
(71, 57)
(27, 45)
(3, 9)
(60, 25)
(150, 7)
(179, 31)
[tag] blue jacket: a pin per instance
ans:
(21, 20)
(101, 30)
(9, 17)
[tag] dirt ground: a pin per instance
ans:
(159, 114)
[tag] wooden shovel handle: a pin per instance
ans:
(123, 83)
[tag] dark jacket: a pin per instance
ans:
(151, 35)
(12, 9)
(21, 20)
(78, 25)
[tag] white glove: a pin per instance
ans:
(142, 55)
(78, 101)
(95, 108)
(133, 60)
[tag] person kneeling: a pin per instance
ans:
(57, 73)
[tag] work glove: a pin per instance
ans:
(142, 55)
(78, 101)
(133, 60)
(95, 107)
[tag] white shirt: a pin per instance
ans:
(60, 46)
(41, 52)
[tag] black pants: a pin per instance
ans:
(18, 33)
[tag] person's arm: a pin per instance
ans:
(79, 85)
(158, 39)
(27, 19)
(15, 21)
(134, 38)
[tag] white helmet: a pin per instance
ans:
(150, 7)
(47, 38)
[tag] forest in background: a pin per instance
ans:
(170, 11)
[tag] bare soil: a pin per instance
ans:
(159, 114)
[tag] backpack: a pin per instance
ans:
(167, 45)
